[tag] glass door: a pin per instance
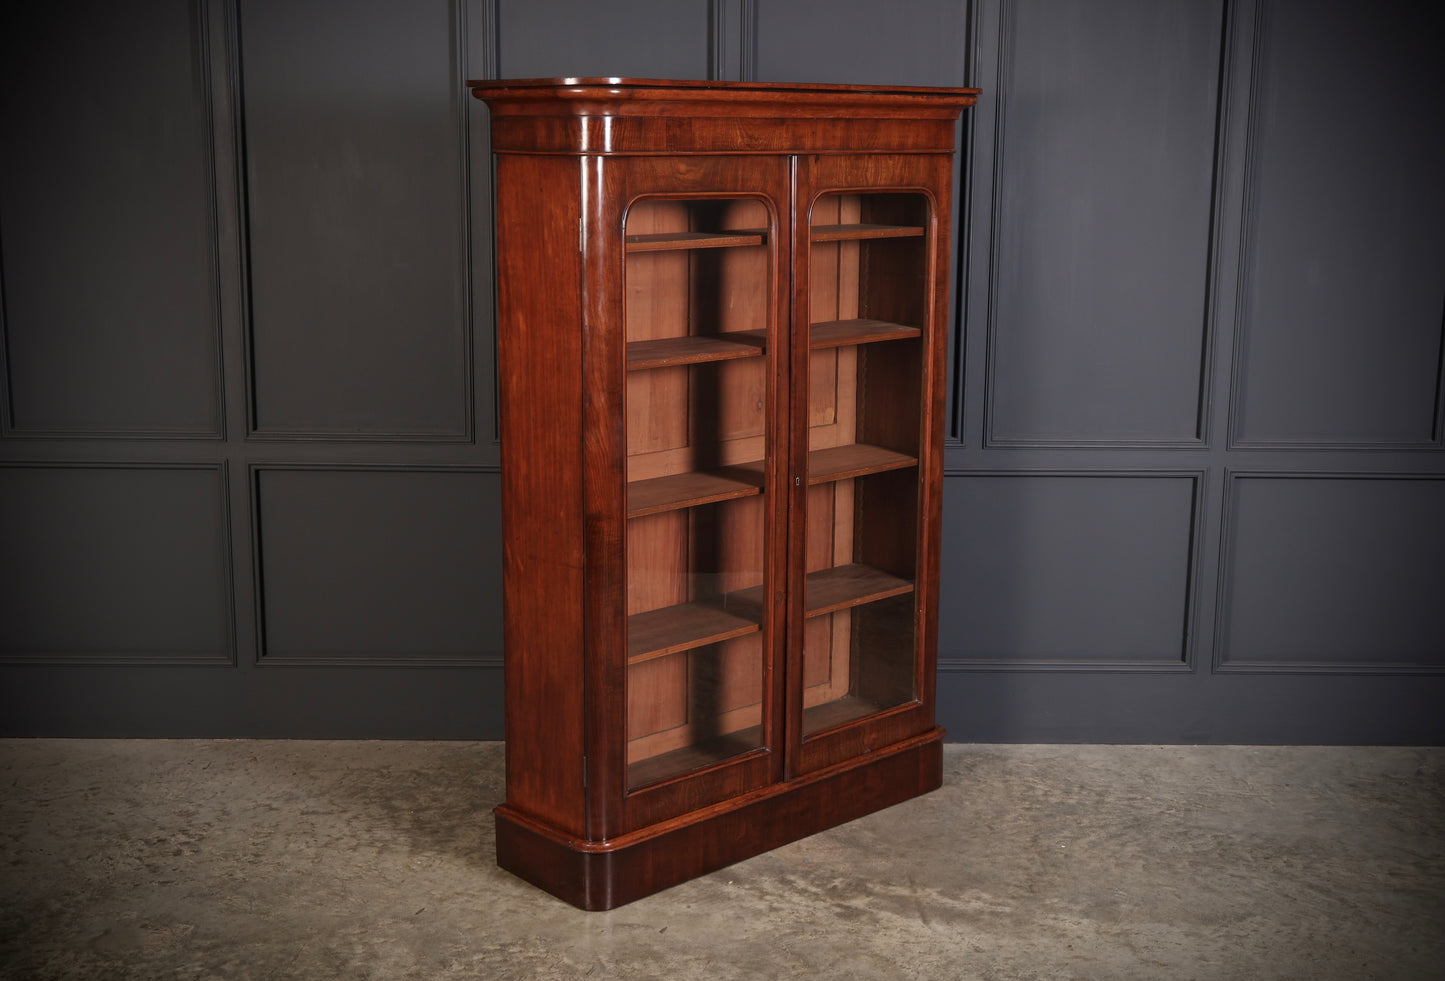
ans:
(869, 303)
(698, 312)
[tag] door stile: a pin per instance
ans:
(934, 429)
(603, 450)
(795, 485)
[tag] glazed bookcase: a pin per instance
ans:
(722, 325)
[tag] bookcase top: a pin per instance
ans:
(639, 115)
(635, 87)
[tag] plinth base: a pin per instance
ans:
(606, 874)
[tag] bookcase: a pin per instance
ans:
(722, 325)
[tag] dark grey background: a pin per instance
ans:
(1196, 477)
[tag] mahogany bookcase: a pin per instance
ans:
(722, 326)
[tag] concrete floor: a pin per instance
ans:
(238, 859)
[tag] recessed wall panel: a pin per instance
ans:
(400, 566)
(105, 210)
(862, 42)
(1344, 251)
(122, 563)
(1066, 570)
(1101, 230)
(1331, 572)
(355, 180)
(567, 38)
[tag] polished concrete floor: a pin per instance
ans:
(238, 859)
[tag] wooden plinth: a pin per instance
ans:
(604, 875)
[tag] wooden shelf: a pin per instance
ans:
(828, 715)
(685, 490)
(853, 460)
(688, 758)
(855, 233)
(673, 241)
(669, 352)
(842, 333)
(829, 590)
(844, 586)
(673, 629)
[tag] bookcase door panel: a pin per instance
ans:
(704, 254)
(868, 324)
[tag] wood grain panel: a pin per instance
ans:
(545, 556)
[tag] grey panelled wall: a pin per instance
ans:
(1101, 222)
(1344, 243)
(107, 168)
(1290, 528)
(1196, 477)
(65, 599)
(1029, 551)
(248, 472)
(356, 189)
(1205, 254)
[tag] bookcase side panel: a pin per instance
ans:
(539, 341)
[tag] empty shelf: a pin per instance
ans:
(685, 490)
(854, 233)
(841, 333)
(854, 460)
(683, 627)
(670, 241)
(844, 586)
(668, 352)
